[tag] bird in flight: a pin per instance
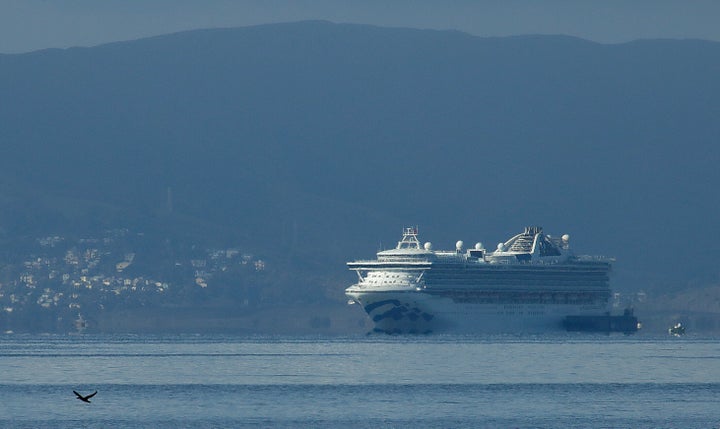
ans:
(85, 398)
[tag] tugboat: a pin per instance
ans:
(677, 330)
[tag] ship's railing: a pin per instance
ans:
(392, 260)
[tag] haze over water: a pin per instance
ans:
(376, 381)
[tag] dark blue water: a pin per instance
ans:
(464, 382)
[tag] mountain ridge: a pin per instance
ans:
(350, 131)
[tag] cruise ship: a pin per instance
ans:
(531, 283)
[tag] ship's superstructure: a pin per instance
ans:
(530, 283)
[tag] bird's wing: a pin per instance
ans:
(90, 396)
(77, 394)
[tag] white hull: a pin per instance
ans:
(417, 312)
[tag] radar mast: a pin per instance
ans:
(409, 240)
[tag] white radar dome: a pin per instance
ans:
(501, 247)
(428, 246)
(459, 245)
(478, 246)
(566, 238)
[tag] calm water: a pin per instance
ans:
(524, 382)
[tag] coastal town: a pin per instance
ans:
(58, 279)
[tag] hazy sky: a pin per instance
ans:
(27, 25)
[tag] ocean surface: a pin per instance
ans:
(585, 381)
